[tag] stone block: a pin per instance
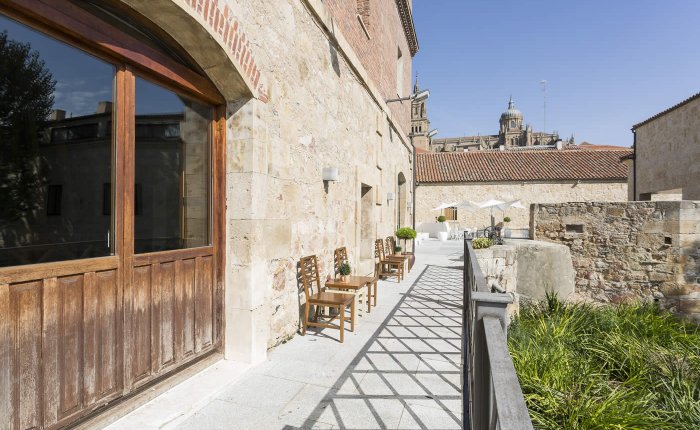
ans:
(247, 333)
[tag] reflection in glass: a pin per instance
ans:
(172, 197)
(55, 149)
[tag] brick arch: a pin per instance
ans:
(213, 37)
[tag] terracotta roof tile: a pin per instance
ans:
(504, 166)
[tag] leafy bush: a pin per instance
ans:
(397, 248)
(406, 233)
(625, 367)
(481, 242)
(441, 218)
(506, 219)
(344, 269)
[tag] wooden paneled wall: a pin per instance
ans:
(59, 347)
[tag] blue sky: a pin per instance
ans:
(608, 64)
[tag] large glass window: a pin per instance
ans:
(173, 167)
(56, 139)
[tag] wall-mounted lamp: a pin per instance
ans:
(433, 132)
(409, 205)
(418, 97)
(330, 174)
(390, 196)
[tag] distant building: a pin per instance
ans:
(512, 133)
(420, 124)
(574, 174)
(665, 165)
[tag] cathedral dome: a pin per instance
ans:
(512, 112)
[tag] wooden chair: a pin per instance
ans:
(384, 265)
(340, 256)
(391, 254)
(339, 301)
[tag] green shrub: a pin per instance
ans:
(344, 269)
(481, 242)
(506, 219)
(406, 233)
(602, 367)
(441, 218)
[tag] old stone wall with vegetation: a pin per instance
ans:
(631, 250)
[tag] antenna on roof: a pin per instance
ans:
(544, 90)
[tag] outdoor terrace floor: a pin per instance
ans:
(399, 370)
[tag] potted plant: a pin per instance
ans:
(441, 218)
(344, 271)
(407, 233)
(397, 249)
(506, 230)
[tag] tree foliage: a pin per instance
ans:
(26, 101)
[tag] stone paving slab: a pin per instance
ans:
(399, 370)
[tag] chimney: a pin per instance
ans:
(57, 115)
(560, 145)
(104, 107)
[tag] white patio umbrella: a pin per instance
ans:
(490, 203)
(468, 205)
(511, 204)
(444, 205)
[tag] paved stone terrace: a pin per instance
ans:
(400, 370)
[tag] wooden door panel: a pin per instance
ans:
(70, 346)
(25, 300)
(186, 306)
(166, 288)
(204, 296)
(58, 347)
(172, 306)
(141, 323)
(101, 323)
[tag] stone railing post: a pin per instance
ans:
(485, 305)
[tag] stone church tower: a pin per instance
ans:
(511, 126)
(420, 124)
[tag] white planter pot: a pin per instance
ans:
(442, 236)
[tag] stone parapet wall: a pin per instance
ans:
(631, 250)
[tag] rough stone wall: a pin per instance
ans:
(667, 152)
(430, 196)
(631, 250)
(319, 114)
(378, 47)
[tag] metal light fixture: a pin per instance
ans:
(330, 174)
(418, 97)
(390, 196)
(433, 132)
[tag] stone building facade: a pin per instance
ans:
(294, 86)
(512, 133)
(550, 176)
(666, 154)
(629, 250)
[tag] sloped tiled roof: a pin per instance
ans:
(591, 147)
(504, 166)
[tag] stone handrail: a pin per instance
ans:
(492, 397)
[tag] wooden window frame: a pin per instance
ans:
(76, 27)
(450, 214)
